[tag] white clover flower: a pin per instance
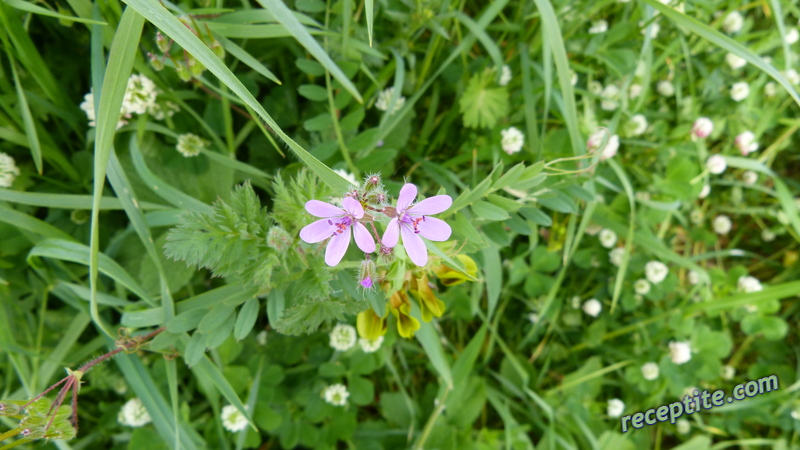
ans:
(343, 337)
(232, 419)
(683, 426)
(261, 338)
(641, 286)
(792, 76)
(347, 176)
(8, 170)
(607, 238)
(665, 88)
(733, 22)
(716, 164)
(653, 27)
(705, 191)
(770, 89)
(749, 284)
(190, 145)
(702, 128)
(370, 346)
(696, 216)
(133, 414)
(505, 75)
(336, 394)
(162, 111)
(512, 140)
(635, 90)
(735, 61)
(722, 224)
(749, 177)
(615, 407)
(650, 371)
(655, 271)
(740, 91)
(140, 95)
(615, 256)
(746, 142)
(694, 277)
(88, 107)
(611, 148)
(385, 96)
(792, 36)
(637, 125)
(600, 26)
(767, 235)
(610, 96)
(592, 307)
(573, 77)
(595, 87)
(533, 317)
(680, 352)
(727, 372)
(796, 413)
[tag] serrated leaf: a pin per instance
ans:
(481, 105)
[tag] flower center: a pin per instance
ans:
(342, 225)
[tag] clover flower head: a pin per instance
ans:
(727, 372)
(749, 177)
(694, 277)
(792, 36)
(740, 91)
(607, 238)
(385, 97)
(683, 426)
(505, 75)
(615, 256)
(665, 88)
(655, 271)
(641, 286)
(792, 76)
(337, 224)
(705, 191)
(680, 352)
(610, 100)
(716, 164)
(592, 307)
(261, 338)
(749, 284)
(512, 140)
(413, 220)
(735, 61)
(8, 170)
(635, 90)
(370, 346)
(598, 27)
(722, 224)
(140, 95)
(702, 128)
(133, 414)
(771, 89)
(232, 419)
(343, 337)
(190, 145)
(637, 125)
(767, 235)
(615, 407)
(733, 22)
(336, 394)
(595, 87)
(746, 142)
(650, 371)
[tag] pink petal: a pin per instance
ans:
(352, 206)
(317, 231)
(337, 247)
(392, 234)
(432, 205)
(407, 195)
(414, 246)
(434, 229)
(322, 209)
(363, 238)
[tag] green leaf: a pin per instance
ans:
(482, 105)
(246, 319)
(27, 119)
(31, 8)
(489, 211)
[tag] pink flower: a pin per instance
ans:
(413, 221)
(336, 223)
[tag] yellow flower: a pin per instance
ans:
(449, 276)
(369, 325)
(429, 305)
(406, 325)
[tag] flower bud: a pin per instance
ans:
(196, 67)
(278, 239)
(183, 72)
(157, 64)
(218, 50)
(366, 274)
(702, 128)
(450, 276)
(163, 42)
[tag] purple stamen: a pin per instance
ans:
(366, 283)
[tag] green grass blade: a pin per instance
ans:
(429, 339)
(176, 30)
(480, 33)
(285, 17)
(248, 59)
(623, 267)
(31, 224)
(724, 42)
(66, 201)
(31, 8)
(27, 120)
(370, 13)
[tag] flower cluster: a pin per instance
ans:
(8, 170)
(141, 97)
(133, 414)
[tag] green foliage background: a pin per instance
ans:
(288, 94)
